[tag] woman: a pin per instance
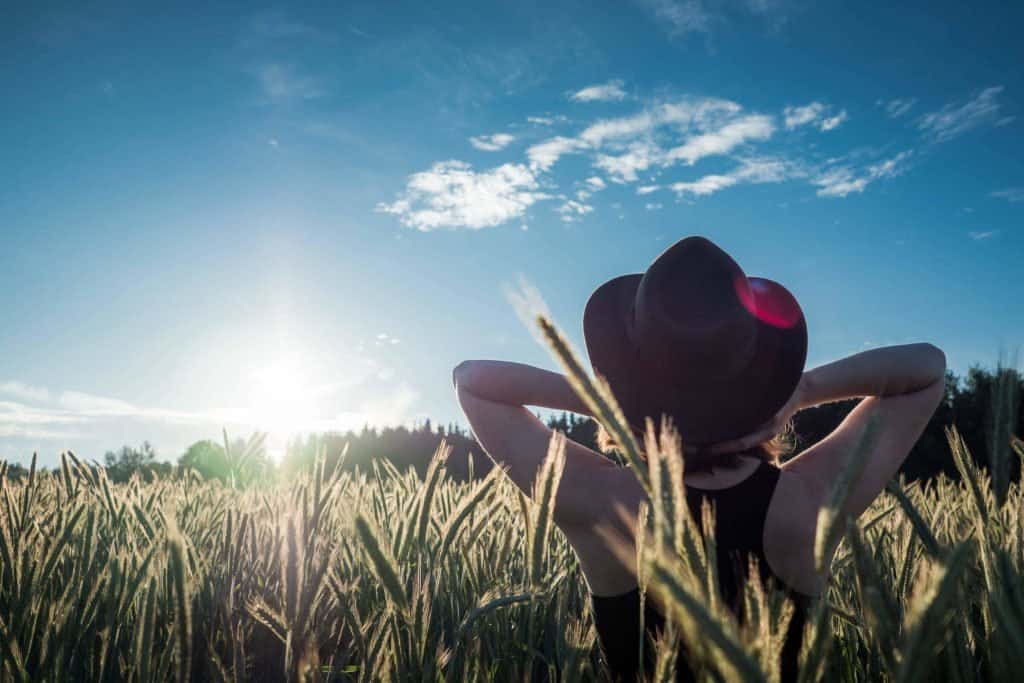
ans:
(723, 356)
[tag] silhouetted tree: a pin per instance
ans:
(123, 463)
(207, 458)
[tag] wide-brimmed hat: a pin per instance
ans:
(694, 338)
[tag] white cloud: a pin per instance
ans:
(799, 116)
(24, 392)
(840, 181)
(640, 148)
(653, 206)
(452, 195)
(540, 120)
(623, 168)
(1010, 194)
(831, 122)
(607, 92)
(74, 414)
(543, 155)
(754, 171)
(898, 107)
(709, 184)
(956, 119)
(982, 235)
(606, 130)
(280, 82)
(492, 143)
(720, 136)
(573, 210)
(814, 113)
(723, 140)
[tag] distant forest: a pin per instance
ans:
(971, 403)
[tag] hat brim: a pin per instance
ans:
(705, 406)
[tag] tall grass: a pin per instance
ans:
(380, 575)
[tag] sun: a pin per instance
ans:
(282, 400)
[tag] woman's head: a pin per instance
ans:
(771, 451)
(694, 337)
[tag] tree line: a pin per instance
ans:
(984, 405)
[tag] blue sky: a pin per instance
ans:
(302, 219)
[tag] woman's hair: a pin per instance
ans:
(770, 451)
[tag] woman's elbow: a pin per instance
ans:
(936, 359)
(462, 373)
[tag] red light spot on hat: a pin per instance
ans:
(768, 301)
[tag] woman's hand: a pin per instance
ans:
(770, 428)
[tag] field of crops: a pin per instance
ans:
(356, 577)
(338, 575)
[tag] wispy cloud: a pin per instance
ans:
(274, 26)
(831, 122)
(843, 180)
(623, 168)
(368, 392)
(23, 392)
(453, 195)
(897, 107)
(37, 414)
(281, 82)
(1010, 194)
(978, 235)
(754, 171)
(492, 143)
(644, 154)
(679, 17)
(645, 147)
(572, 210)
(724, 139)
(547, 120)
(543, 155)
(957, 118)
(815, 113)
(607, 92)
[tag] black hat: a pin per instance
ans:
(696, 339)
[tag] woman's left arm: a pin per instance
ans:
(517, 384)
(493, 395)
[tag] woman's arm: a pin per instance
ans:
(517, 384)
(493, 395)
(903, 386)
(887, 371)
(884, 372)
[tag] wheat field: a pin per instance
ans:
(380, 575)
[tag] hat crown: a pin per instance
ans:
(690, 303)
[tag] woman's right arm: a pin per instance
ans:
(903, 385)
(887, 371)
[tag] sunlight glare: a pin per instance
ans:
(281, 399)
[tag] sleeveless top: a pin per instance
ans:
(740, 513)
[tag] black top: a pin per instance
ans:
(740, 513)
